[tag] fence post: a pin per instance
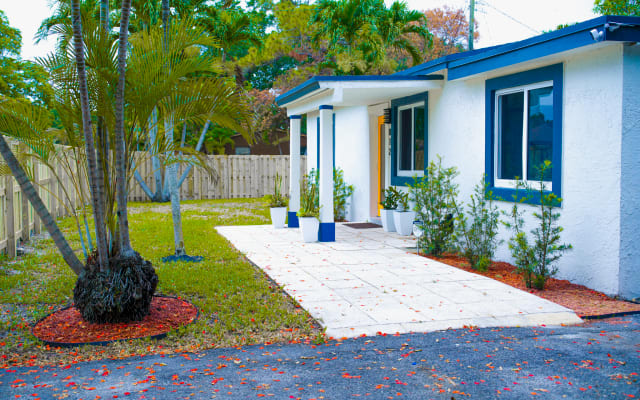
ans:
(25, 217)
(11, 229)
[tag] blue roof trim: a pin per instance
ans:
(460, 65)
(314, 83)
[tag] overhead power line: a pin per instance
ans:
(484, 2)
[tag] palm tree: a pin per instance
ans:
(96, 182)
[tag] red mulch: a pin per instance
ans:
(67, 325)
(583, 301)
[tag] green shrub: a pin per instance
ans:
(341, 191)
(341, 194)
(403, 200)
(536, 260)
(434, 196)
(477, 231)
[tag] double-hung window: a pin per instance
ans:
(524, 129)
(410, 146)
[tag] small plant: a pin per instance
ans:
(390, 201)
(277, 199)
(434, 196)
(309, 198)
(478, 232)
(536, 260)
(403, 201)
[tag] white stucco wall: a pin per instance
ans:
(353, 156)
(591, 158)
(630, 182)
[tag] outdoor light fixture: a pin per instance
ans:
(597, 35)
(387, 116)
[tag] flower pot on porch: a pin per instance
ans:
(403, 221)
(309, 227)
(387, 220)
(278, 216)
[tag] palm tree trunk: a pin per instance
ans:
(104, 15)
(174, 192)
(94, 182)
(121, 167)
(155, 161)
(38, 206)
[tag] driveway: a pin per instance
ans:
(598, 360)
(367, 282)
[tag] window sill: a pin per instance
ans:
(508, 195)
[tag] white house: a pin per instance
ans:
(571, 96)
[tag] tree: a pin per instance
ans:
(360, 33)
(20, 78)
(449, 28)
(617, 7)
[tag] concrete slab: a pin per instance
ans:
(368, 282)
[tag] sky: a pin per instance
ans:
(499, 21)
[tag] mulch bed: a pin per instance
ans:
(66, 326)
(585, 302)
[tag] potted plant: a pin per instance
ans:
(309, 211)
(402, 216)
(389, 204)
(278, 204)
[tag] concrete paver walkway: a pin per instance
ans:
(366, 282)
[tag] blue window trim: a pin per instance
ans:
(318, 142)
(416, 98)
(551, 73)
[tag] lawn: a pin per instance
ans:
(238, 304)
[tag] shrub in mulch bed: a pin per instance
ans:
(66, 327)
(585, 302)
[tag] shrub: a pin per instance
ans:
(277, 199)
(341, 194)
(478, 231)
(403, 200)
(309, 202)
(341, 191)
(434, 196)
(536, 261)
(122, 293)
(390, 201)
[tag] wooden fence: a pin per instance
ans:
(235, 177)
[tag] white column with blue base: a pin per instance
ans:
(327, 232)
(294, 170)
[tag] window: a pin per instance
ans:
(524, 132)
(524, 128)
(410, 154)
(408, 138)
(243, 151)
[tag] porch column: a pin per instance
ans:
(294, 170)
(327, 232)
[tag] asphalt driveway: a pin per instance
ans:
(597, 360)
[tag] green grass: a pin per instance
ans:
(238, 304)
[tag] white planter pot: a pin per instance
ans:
(278, 216)
(309, 227)
(403, 221)
(387, 220)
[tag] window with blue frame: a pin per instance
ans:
(409, 138)
(524, 129)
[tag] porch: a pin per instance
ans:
(368, 282)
